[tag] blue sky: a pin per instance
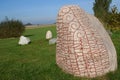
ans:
(41, 11)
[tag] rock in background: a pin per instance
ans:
(83, 47)
(52, 41)
(48, 35)
(23, 40)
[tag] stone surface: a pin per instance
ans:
(83, 46)
(48, 34)
(23, 40)
(52, 41)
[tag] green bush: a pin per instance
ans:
(11, 28)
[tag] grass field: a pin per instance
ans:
(36, 61)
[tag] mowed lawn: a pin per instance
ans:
(36, 61)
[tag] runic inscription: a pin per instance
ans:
(83, 47)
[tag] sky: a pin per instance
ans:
(41, 11)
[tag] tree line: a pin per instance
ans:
(109, 16)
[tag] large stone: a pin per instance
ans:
(23, 40)
(83, 46)
(48, 34)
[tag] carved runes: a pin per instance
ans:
(83, 46)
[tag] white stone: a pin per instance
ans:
(23, 40)
(48, 34)
(52, 41)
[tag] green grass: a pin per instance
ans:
(36, 61)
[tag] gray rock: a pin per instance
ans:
(52, 41)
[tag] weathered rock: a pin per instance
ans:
(52, 41)
(83, 46)
(48, 34)
(23, 40)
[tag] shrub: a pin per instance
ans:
(11, 28)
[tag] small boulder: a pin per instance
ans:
(52, 41)
(48, 34)
(23, 40)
